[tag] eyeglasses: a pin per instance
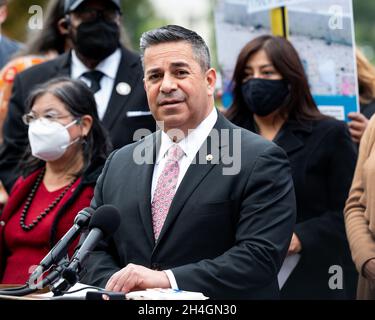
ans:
(91, 14)
(31, 117)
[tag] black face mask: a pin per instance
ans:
(97, 39)
(263, 96)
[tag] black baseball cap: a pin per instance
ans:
(71, 5)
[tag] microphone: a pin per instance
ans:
(60, 250)
(104, 222)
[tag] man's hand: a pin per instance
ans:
(134, 277)
(369, 272)
(295, 245)
(357, 126)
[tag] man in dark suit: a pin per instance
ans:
(113, 73)
(7, 46)
(205, 206)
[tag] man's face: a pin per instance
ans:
(179, 92)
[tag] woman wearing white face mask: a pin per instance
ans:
(68, 148)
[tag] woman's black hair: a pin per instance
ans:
(299, 104)
(79, 101)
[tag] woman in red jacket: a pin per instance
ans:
(68, 148)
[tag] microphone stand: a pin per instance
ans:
(30, 288)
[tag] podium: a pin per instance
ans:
(33, 296)
(85, 292)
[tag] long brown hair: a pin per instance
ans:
(299, 104)
(366, 78)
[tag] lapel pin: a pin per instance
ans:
(209, 157)
(123, 88)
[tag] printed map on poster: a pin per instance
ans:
(322, 31)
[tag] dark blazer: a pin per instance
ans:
(8, 47)
(225, 235)
(322, 157)
(120, 127)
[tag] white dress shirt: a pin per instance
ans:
(190, 145)
(109, 67)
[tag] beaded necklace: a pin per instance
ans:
(47, 210)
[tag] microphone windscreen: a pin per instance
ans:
(106, 218)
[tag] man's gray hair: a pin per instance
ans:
(174, 33)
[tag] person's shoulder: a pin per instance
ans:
(130, 57)
(128, 152)
(11, 44)
(92, 173)
(247, 139)
(252, 146)
(43, 69)
(328, 125)
(252, 141)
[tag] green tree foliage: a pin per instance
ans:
(138, 16)
(364, 13)
(16, 25)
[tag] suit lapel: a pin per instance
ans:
(194, 176)
(144, 182)
(125, 74)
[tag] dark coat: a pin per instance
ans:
(225, 235)
(323, 158)
(120, 127)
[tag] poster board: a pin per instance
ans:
(322, 31)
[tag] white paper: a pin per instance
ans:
(148, 294)
(287, 268)
(165, 294)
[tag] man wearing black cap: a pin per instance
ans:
(7, 46)
(113, 73)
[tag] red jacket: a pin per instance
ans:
(68, 207)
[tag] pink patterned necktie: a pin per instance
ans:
(165, 189)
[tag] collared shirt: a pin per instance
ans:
(190, 145)
(109, 66)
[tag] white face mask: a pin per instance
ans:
(49, 139)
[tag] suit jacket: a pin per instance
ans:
(225, 235)
(120, 126)
(322, 158)
(7, 48)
